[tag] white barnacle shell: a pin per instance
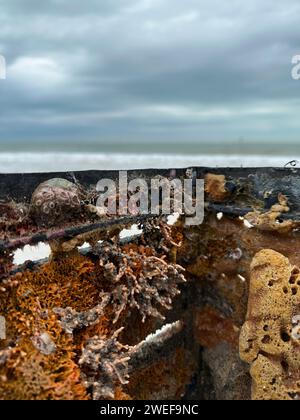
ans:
(296, 328)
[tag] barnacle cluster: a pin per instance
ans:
(54, 201)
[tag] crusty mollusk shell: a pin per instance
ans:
(54, 200)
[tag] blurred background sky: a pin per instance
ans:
(141, 75)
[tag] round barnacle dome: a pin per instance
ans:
(54, 201)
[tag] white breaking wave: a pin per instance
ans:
(57, 162)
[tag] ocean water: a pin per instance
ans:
(21, 162)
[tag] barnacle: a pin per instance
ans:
(296, 328)
(104, 364)
(55, 201)
(44, 343)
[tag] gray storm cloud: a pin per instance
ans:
(146, 70)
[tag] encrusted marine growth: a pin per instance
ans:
(37, 358)
(269, 340)
(61, 319)
(215, 187)
(56, 200)
(11, 216)
(140, 280)
(6, 263)
(270, 220)
(71, 320)
(104, 364)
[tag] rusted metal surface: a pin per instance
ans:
(68, 313)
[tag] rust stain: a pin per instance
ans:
(165, 379)
(212, 328)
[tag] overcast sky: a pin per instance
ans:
(149, 70)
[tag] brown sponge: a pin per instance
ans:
(270, 339)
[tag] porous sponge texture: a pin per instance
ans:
(268, 341)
